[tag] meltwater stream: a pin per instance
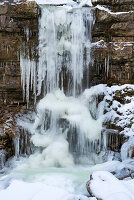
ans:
(66, 131)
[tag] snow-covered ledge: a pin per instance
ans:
(102, 8)
(79, 3)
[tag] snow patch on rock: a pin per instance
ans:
(110, 12)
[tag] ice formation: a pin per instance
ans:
(64, 51)
(67, 119)
(64, 127)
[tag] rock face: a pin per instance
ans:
(17, 22)
(114, 54)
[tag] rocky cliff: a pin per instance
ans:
(18, 22)
(114, 28)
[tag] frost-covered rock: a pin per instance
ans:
(119, 113)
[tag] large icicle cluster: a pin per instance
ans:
(64, 51)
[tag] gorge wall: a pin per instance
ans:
(114, 56)
(18, 21)
(112, 52)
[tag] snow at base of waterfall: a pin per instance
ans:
(27, 184)
(37, 191)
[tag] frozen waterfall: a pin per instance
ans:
(67, 127)
(63, 51)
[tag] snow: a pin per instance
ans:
(106, 186)
(95, 91)
(110, 12)
(30, 183)
(53, 186)
(32, 191)
(120, 169)
(107, 166)
(65, 2)
(37, 191)
(85, 3)
(98, 44)
(55, 2)
(121, 87)
(121, 45)
(56, 185)
(124, 112)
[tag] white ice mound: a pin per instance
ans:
(55, 153)
(75, 110)
(67, 117)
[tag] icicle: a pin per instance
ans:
(16, 146)
(28, 72)
(2, 158)
(27, 33)
(107, 65)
